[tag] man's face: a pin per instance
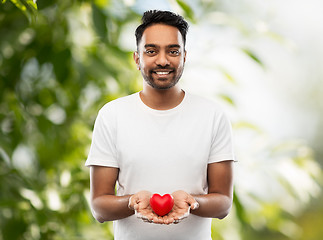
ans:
(161, 56)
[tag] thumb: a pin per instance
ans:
(193, 203)
(132, 202)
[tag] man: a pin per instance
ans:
(161, 140)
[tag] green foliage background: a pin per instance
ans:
(44, 73)
(52, 85)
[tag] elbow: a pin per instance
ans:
(226, 210)
(224, 214)
(97, 216)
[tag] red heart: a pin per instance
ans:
(161, 205)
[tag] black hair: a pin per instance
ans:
(152, 17)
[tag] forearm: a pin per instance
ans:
(212, 205)
(110, 207)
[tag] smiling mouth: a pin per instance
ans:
(164, 73)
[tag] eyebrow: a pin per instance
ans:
(155, 46)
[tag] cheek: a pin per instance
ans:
(180, 61)
(180, 64)
(145, 63)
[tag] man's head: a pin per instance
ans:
(161, 54)
(152, 17)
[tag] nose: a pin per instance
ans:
(162, 59)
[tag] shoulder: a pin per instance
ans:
(203, 104)
(119, 103)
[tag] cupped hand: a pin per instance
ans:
(183, 203)
(140, 203)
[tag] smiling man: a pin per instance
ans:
(161, 140)
(161, 57)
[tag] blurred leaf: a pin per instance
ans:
(99, 20)
(44, 4)
(102, 3)
(49, 72)
(61, 61)
(28, 7)
(227, 75)
(241, 214)
(247, 125)
(227, 99)
(14, 228)
(253, 56)
(25, 5)
(189, 13)
(45, 74)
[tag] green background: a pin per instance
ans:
(52, 84)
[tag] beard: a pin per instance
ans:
(162, 83)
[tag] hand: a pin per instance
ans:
(140, 203)
(183, 203)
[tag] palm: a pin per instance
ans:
(144, 211)
(141, 205)
(140, 202)
(181, 207)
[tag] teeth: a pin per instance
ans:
(162, 73)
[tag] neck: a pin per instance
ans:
(162, 99)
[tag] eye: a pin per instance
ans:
(150, 52)
(174, 52)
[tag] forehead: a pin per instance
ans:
(162, 35)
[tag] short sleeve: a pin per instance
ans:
(103, 150)
(222, 142)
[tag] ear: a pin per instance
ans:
(185, 56)
(137, 60)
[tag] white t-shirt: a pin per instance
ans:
(161, 151)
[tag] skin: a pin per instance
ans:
(161, 49)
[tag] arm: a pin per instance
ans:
(217, 203)
(105, 206)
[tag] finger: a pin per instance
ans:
(173, 211)
(139, 215)
(164, 219)
(142, 204)
(193, 203)
(174, 215)
(130, 203)
(195, 206)
(135, 207)
(169, 220)
(148, 220)
(143, 217)
(151, 217)
(158, 220)
(133, 200)
(176, 221)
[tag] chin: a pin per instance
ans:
(163, 85)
